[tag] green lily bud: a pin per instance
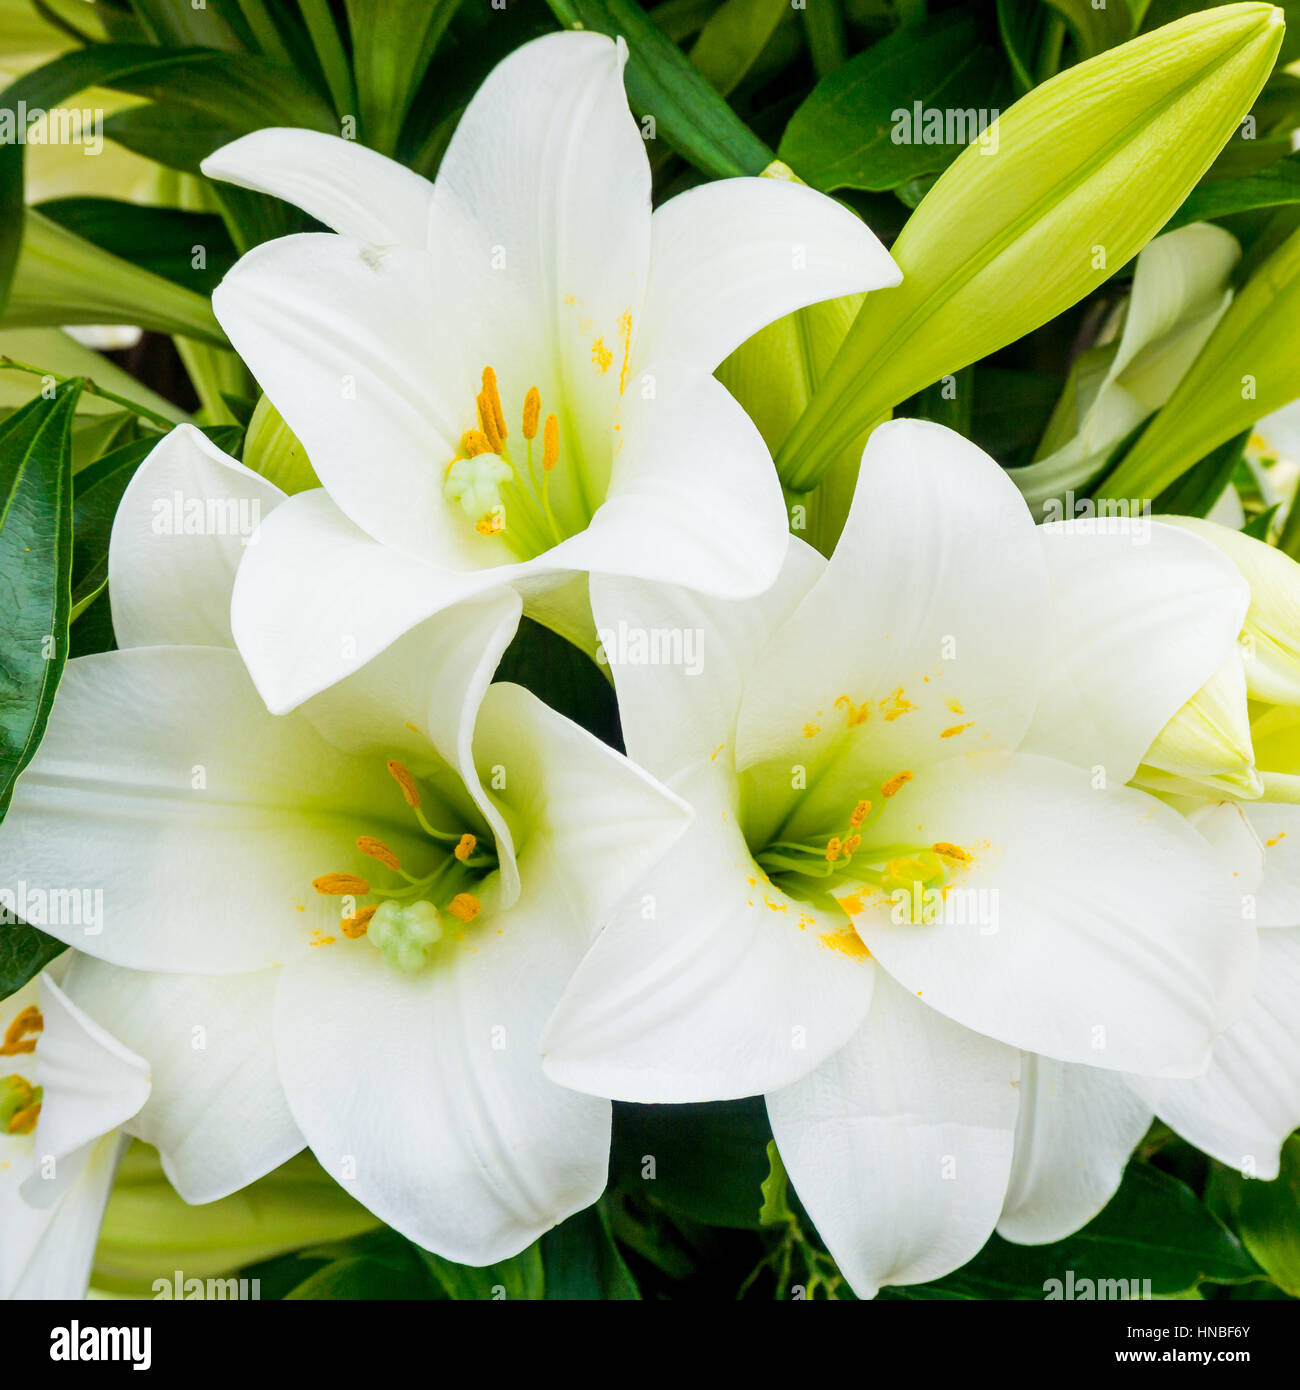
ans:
(406, 935)
(1206, 747)
(149, 1232)
(1090, 166)
(1246, 370)
(272, 449)
(1270, 639)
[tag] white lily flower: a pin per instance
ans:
(349, 936)
(69, 1086)
(505, 375)
(914, 855)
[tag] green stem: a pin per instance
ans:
(88, 386)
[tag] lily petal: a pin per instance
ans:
(433, 1110)
(899, 1145)
(1112, 937)
(339, 182)
(708, 984)
(170, 586)
(1141, 619)
(732, 256)
(670, 713)
(154, 751)
(1076, 1130)
(217, 1113)
(1242, 1109)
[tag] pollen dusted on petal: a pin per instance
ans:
(404, 780)
(17, 1039)
(340, 885)
(465, 848)
(378, 850)
(950, 851)
(464, 907)
(858, 714)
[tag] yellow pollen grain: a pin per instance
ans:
(955, 707)
(895, 784)
(951, 851)
(860, 813)
(846, 943)
(340, 885)
(378, 850)
(404, 780)
(1268, 844)
(858, 714)
(713, 757)
(474, 442)
(895, 705)
(320, 938)
(491, 525)
(601, 357)
(625, 336)
(550, 443)
(775, 905)
(833, 848)
(464, 907)
(17, 1041)
(532, 412)
(465, 848)
(956, 729)
(811, 730)
(493, 397)
(355, 927)
(851, 903)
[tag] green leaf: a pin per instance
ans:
(662, 82)
(1097, 29)
(582, 1262)
(518, 1278)
(173, 136)
(392, 43)
(843, 136)
(36, 560)
(24, 953)
(1267, 1215)
(706, 1161)
(359, 1277)
(736, 33)
(163, 241)
(1274, 186)
(1154, 1228)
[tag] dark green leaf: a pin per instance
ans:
(1274, 186)
(36, 560)
(662, 83)
(1196, 492)
(582, 1261)
(707, 1162)
(360, 1277)
(24, 953)
(1267, 1215)
(906, 107)
(519, 1278)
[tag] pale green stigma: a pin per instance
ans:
(476, 484)
(406, 935)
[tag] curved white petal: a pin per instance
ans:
(1242, 1109)
(92, 1083)
(217, 1113)
(1092, 925)
(1142, 616)
(316, 599)
(1278, 831)
(47, 1252)
(357, 348)
(709, 983)
(1076, 1129)
(732, 256)
(343, 184)
(680, 660)
(916, 644)
(693, 498)
(163, 783)
(431, 1107)
(900, 1144)
(599, 819)
(181, 529)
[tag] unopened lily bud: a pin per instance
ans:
(1206, 747)
(1270, 638)
(1090, 165)
(272, 449)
